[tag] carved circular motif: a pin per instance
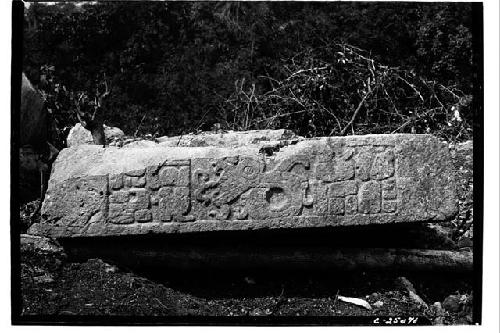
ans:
(277, 198)
(250, 170)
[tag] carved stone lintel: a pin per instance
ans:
(322, 182)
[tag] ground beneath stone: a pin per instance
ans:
(53, 285)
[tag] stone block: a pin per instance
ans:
(354, 180)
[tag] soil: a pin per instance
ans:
(56, 287)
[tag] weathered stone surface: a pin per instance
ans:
(230, 138)
(78, 135)
(338, 181)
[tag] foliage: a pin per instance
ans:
(338, 89)
(176, 67)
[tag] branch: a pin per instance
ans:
(414, 118)
(344, 130)
(306, 70)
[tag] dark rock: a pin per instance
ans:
(45, 278)
(404, 284)
(37, 244)
(465, 242)
(437, 309)
(452, 303)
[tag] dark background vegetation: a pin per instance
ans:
(315, 68)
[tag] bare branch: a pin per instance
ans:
(355, 114)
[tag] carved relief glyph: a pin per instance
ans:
(338, 181)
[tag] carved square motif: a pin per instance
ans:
(152, 178)
(168, 176)
(389, 185)
(174, 201)
(389, 206)
(183, 176)
(119, 197)
(135, 173)
(369, 197)
(337, 206)
(389, 195)
(138, 199)
(336, 170)
(174, 176)
(143, 215)
(118, 214)
(343, 188)
(116, 181)
(320, 199)
(383, 165)
(133, 181)
(351, 204)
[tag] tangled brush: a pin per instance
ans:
(339, 90)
